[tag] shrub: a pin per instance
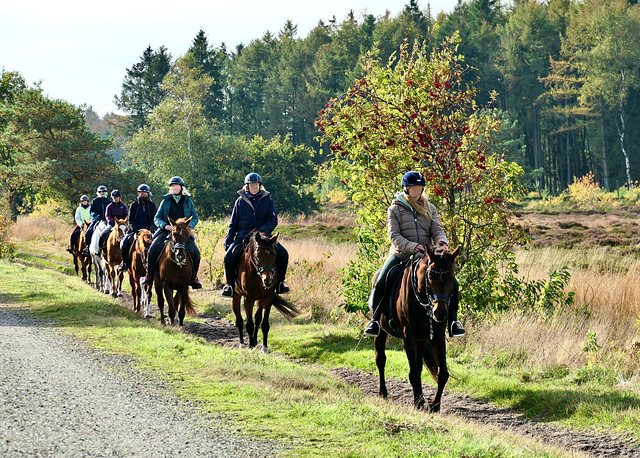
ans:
(7, 248)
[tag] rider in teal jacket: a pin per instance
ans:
(176, 204)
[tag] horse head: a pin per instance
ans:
(121, 228)
(435, 276)
(180, 233)
(143, 242)
(263, 257)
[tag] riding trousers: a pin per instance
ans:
(158, 245)
(234, 252)
(377, 293)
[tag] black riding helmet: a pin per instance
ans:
(176, 180)
(253, 177)
(115, 193)
(144, 188)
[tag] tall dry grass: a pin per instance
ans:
(607, 307)
(44, 229)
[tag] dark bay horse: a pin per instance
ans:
(138, 269)
(83, 260)
(174, 272)
(256, 282)
(420, 307)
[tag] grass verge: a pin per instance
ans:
(267, 395)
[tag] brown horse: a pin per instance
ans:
(174, 272)
(78, 257)
(138, 269)
(257, 278)
(113, 257)
(420, 307)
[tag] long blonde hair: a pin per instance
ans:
(421, 205)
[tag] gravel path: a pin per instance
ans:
(59, 398)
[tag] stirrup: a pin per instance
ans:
(227, 291)
(372, 329)
(283, 288)
(459, 330)
(122, 267)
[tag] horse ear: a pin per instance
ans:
(456, 252)
(189, 220)
(274, 239)
(430, 252)
(172, 222)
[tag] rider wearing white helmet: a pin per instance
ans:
(82, 215)
(97, 209)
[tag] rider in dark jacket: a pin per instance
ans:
(97, 210)
(176, 204)
(141, 215)
(254, 209)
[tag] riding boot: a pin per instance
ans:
(194, 252)
(375, 299)
(455, 327)
(125, 249)
(154, 253)
(282, 261)
(229, 272)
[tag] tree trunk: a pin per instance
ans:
(605, 169)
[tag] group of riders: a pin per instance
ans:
(254, 209)
(412, 224)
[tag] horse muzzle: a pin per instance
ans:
(440, 308)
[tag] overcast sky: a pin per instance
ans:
(80, 50)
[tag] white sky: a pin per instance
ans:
(80, 50)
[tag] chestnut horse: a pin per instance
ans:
(113, 257)
(138, 269)
(174, 272)
(78, 257)
(420, 307)
(257, 278)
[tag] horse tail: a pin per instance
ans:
(285, 307)
(189, 308)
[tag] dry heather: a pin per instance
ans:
(605, 277)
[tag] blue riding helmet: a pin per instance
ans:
(144, 188)
(413, 179)
(253, 177)
(176, 180)
(84, 197)
(101, 188)
(115, 193)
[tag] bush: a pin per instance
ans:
(7, 248)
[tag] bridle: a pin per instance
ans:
(176, 247)
(258, 268)
(429, 304)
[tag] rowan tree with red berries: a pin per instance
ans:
(416, 112)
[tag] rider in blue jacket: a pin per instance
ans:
(254, 209)
(97, 210)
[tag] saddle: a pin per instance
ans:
(393, 283)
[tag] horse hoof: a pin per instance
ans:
(148, 315)
(242, 345)
(265, 349)
(119, 295)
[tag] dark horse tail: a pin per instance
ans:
(285, 307)
(189, 308)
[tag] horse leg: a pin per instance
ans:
(145, 293)
(180, 303)
(120, 278)
(439, 348)
(257, 321)
(380, 343)
(239, 324)
(265, 328)
(412, 349)
(171, 306)
(135, 293)
(248, 311)
(160, 296)
(75, 262)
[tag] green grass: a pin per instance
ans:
(265, 395)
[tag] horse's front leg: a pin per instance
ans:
(135, 293)
(235, 305)
(120, 278)
(145, 295)
(248, 311)
(380, 343)
(257, 322)
(182, 301)
(171, 306)
(414, 350)
(265, 328)
(439, 348)
(160, 296)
